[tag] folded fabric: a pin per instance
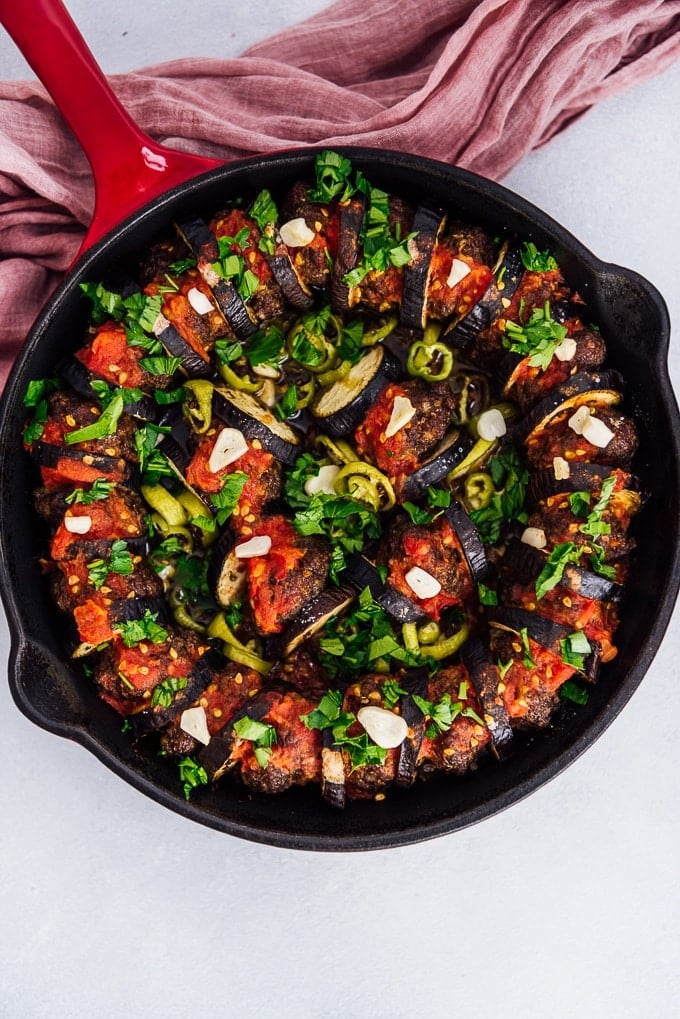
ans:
(477, 84)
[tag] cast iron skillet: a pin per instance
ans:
(51, 693)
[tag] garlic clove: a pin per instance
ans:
(323, 482)
(386, 729)
(78, 525)
(597, 432)
(491, 425)
(534, 536)
(561, 468)
(459, 270)
(259, 545)
(423, 584)
(402, 412)
(566, 350)
(200, 302)
(296, 234)
(229, 446)
(194, 723)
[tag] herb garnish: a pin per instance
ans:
(360, 749)
(231, 265)
(510, 478)
(134, 631)
(153, 464)
(226, 500)
(164, 694)
(119, 561)
(99, 490)
(443, 713)
(569, 552)
(538, 338)
(191, 774)
(333, 173)
(137, 313)
(355, 643)
(260, 734)
(380, 247)
(575, 648)
(106, 423)
(535, 260)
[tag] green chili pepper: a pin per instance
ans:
(237, 381)
(234, 649)
(199, 412)
(479, 490)
(366, 483)
(430, 361)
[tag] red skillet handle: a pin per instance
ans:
(129, 168)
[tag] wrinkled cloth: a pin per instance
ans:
(476, 84)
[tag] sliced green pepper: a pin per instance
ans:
(234, 649)
(199, 411)
(430, 361)
(479, 490)
(366, 483)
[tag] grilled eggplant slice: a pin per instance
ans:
(428, 225)
(347, 256)
(486, 680)
(243, 411)
(202, 242)
(318, 611)
(543, 631)
(451, 451)
(362, 573)
(340, 408)
(508, 272)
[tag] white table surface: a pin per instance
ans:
(565, 905)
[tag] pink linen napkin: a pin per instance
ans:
(477, 84)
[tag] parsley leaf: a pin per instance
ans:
(106, 423)
(333, 173)
(134, 631)
(192, 775)
(260, 734)
(164, 694)
(538, 338)
(99, 490)
(226, 500)
(535, 260)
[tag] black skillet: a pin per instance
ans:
(45, 686)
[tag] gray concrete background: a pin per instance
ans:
(564, 906)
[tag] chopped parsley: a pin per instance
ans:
(191, 775)
(574, 649)
(333, 178)
(106, 423)
(119, 561)
(572, 691)
(98, 491)
(164, 694)
(137, 313)
(135, 631)
(153, 464)
(379, 246)
(360, 749)
(260, 734)
(226, 500)
(536, 339)
(569, 552)
(357, 642)
(535, 260)
(443, 713)
(231, 265)
(510, 478)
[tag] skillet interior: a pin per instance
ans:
(634, 322)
